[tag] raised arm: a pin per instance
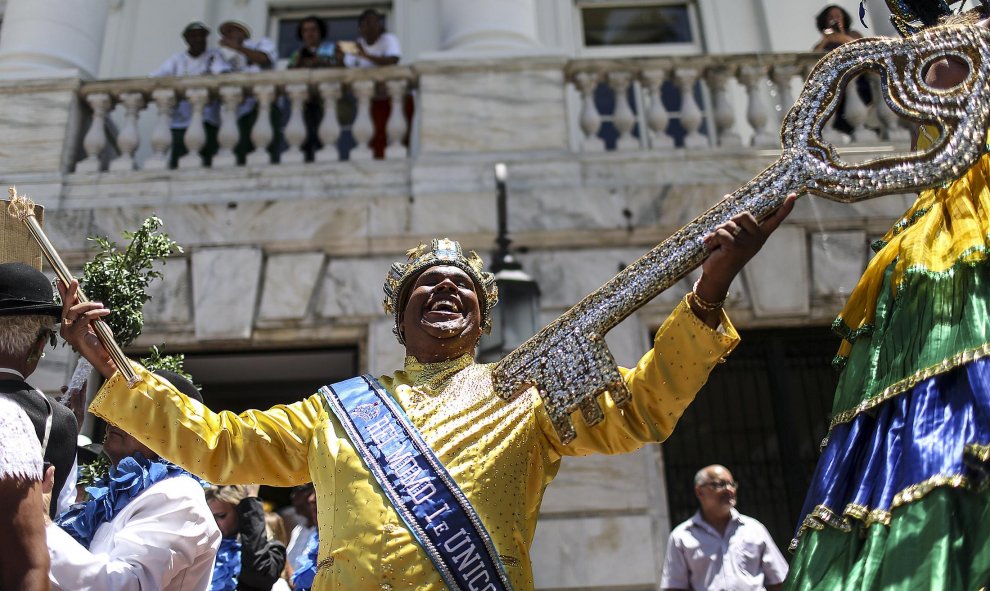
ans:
(267, 447)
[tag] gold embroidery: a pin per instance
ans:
(432, 378)
(978, 452)
(822, 515)
(897, 388)
(324, 564)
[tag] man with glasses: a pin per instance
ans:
(27, 314)
(719, 548)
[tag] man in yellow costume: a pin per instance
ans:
(501, 454)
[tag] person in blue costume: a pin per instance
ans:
(899, 498)
(146, 526)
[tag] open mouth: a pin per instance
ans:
(443, 309)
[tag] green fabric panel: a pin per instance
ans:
(939, 542)
(932, 317)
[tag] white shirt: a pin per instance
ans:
(387, 45)
(239, 63)
(700, 558)
(297, 544)
(20, 450)
(210, 61)
(165, 539)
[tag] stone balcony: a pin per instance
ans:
(606, 158)
(653, 104)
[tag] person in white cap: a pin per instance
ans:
(245, 54)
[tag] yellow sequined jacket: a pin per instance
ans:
(502, 454)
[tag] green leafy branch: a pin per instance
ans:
(119, 277)
(157, 360)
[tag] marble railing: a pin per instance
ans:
(670, 103)
(347, 95)
(641, 92)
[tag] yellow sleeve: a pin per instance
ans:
(663, 384)
(264, 447)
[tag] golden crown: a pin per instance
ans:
(440, 251)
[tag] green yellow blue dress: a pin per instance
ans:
(899, 499)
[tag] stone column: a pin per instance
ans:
(488, 25)
(42, 38)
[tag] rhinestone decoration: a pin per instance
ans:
(569, 362)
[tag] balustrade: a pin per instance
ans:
(710, 102)
(305, 108)
(658, 104)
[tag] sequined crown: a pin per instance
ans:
(440, 251)
(911, 16)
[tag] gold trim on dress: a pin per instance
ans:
(901, 386)
(823, 515)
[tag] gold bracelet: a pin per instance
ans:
(703, 304)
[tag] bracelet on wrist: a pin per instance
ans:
(703, 304)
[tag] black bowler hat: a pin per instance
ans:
(25, 291)
(181, 383)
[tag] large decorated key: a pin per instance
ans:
(569, 362)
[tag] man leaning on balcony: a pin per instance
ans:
(196, 60)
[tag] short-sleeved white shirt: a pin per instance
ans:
(745, 557)
(387, 45)
(20, 451)
(210, 61)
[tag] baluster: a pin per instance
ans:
(657, 117)
(857, 114)
(228, 136)
(96, 138)
(161, 137)
(690, 115)
(893, 131)
(752, 77)
(262, 132)
(782, 75)
(329, 126)
(396, 127)
(128, 138)
(622, 118)
(295, 129)
(195, 137)
(590, 121)
(363, 128)
(724, 115)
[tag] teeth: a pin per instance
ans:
(443, 306)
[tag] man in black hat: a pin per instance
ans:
(27, 313)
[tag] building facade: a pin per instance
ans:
(618, 121)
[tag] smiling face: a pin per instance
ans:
(442, 316)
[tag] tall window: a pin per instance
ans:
(630, 27)
(341, 21)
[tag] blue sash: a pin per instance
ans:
(418, 486)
